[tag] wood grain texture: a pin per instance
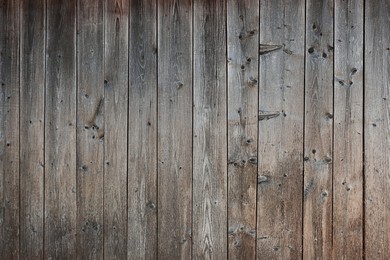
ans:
(9, 128)
(377, 130)
(243, 53)
(115, 126)
(348, 131)
(32, 90)
(317, 218)
(174, 129)
(210, 133)
(90, 129)
(279, 212)
(60, 131)
(142, 153)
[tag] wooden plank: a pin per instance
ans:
(243, 53)
(90, 129)
(174, 129)
(377, 130)
(142, 153)
(348, 131)
(210, 132)
(279, 208)
(116, 16)
(317, 218)
(60, 131)
(32, 90)
(9, 129)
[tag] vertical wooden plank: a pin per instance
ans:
(115, 125)
(348, 131)
(210, 133)
(377, 129)
(90, 129)
(317, 219)
(60, 131)
(174, 129)
(142, 153)
(243, 53)
(281, 101)
(32, 84)
(9, 129)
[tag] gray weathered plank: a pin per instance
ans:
(377, 129)
(317, 219)
(90, 129)
(210, 136)
(9, 129)
(115, 126)
(348, 131)
(174, 129)
(243, 53)
(281, 87)
(142, 153)
(60, 131)
(32, 90)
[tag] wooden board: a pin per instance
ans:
(60, 131)
(243, 53)
(317, 211)
(210, 133)
(174, 129)
(116, 14)
(32, 91)
(90, 129)
(9, 129)
(377, 130)
(348, 131)
(279, 220)
(142, 152)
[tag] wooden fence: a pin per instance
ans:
(203, 129)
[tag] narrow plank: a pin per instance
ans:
(243, 53)
(115, 124)
(317, 218)
(142, 138)
(210, 132)
(90, 129)
(279, 208)
(9, 129)
(174, 129)
(32, 90)
(348, 131)
(60, 131)
(377, 129)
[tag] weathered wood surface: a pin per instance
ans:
(281, 87)
(348, 131)
(142, 136)
(377, 130)
(242, 100)
(219, 129)
(318, 142)
(210, 148)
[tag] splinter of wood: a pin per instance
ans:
(266, 48)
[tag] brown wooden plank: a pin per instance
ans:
(174, 129)
(317, 219)
(142, 153)
(279, 212)
(9, 128)
(243, 53)
(348, 131)
(60, 131)
(32, 90)
(90, 129)
(377, 130)
(115, 125)
(209, 119)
